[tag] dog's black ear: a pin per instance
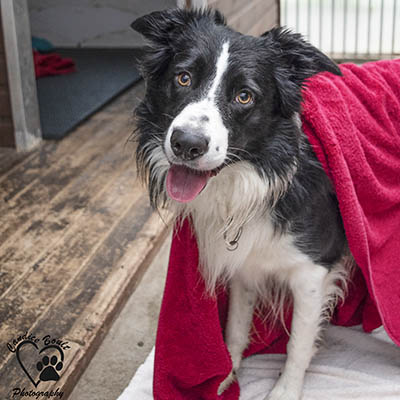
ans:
(295, 60)
(158, 26)
(163, 29)
(219, 18)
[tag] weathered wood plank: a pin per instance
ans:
(146, 242)
(249, 15)
(65, 259)
(50, 156)
(111, 298)
(52, 175)
(15, 180)
(252, 17)
(77, 296)
(49, 223)
(77, 247)
(10, 158)
(228, 7)
(267, 21)
(93, 300)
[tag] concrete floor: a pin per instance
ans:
(129, 340)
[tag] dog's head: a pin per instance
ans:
(215, 97)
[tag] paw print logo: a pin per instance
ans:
(49, 368)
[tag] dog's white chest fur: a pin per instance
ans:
(232, 203)
(261, 253)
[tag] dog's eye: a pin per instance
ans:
(244, 97)
(184, 79)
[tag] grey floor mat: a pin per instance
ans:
(66, 100)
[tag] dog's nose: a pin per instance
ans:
(188, 145)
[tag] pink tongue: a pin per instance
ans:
(184, 184)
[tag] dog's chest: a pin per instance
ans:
(234, 202)
(261, 252)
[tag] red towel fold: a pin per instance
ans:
(353, 123)
(52, 64)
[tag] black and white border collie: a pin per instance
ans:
(220, 141)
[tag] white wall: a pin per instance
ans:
(90, 23)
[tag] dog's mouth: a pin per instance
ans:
(185, 184)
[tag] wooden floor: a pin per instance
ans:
(76, 235)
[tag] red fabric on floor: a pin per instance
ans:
(52, 64)
(353, 123)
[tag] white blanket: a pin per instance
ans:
(350, 365)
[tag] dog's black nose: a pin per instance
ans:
(188, 145)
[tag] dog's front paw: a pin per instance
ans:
(284, 391)
(226, 382)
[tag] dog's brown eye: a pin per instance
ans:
(244, 97)
(184, 79)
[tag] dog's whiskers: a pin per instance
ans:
(152, 123)
(232, 157)
(240, 150)
(167, 115)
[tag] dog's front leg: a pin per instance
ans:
(240, 317)
(308, 289)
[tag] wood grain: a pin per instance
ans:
(77, 234)
(252, 17)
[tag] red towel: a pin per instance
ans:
(52, 64)
(353, 123)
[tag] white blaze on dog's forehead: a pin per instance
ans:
(205, 114)
(221, 67)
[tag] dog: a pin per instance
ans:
(219, 141)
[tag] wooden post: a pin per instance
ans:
(20, 72)
(6, 122)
